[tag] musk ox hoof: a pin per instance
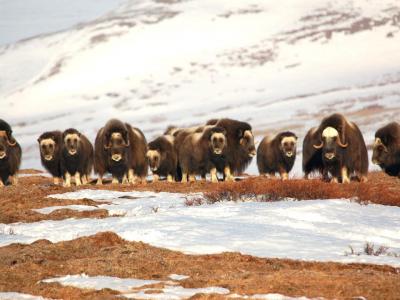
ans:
(65, 184)
(114, 181)
(230, 178)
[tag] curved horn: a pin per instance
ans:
(10, 143)
(107, 145)
(340, 143)
(319, 146)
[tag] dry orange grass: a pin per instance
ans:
(380, 189)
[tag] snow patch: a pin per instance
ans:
(100, 282)
(312, 230)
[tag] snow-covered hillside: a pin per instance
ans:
(276, 64)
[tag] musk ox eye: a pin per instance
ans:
(221, 140)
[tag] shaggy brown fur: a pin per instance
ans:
(162, 157)
(76, 157)
(386, 149)
(138, 148)
(277, 154)
(50, 146)
(241, 149)
(112, 153)
(343, 153)
(312, 158)
(10, 155)
(198, 152)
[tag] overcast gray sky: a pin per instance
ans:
(21, 19)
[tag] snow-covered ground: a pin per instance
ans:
(276, 64)
(320, 230)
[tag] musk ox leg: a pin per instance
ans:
(85, 179)
(213, 173)
(13, 180)
(306, 176)
(334, 180)
(184, 177)
(1, 183)
(56, 180)
(100, 180)
(115, 180)
(345, 175)
(78, 181)
(192, 178)
(228, 174)
(272, 175)
(156, 177)
(67, 182)
(132, 178)
(284, 175)
(361, 177)
(170, 178)
(125, 179)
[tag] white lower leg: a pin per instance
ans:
(67, 182)
(155, 177)
(99, 180)
(115, 180)
(170, 178)
(228, 174)
(78, 181)
(345, 175)
(184, 177)
(192, 178)
(213, 173)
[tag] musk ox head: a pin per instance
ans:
(246, 141)
(6, 142)
(288, 144)
(154, 158)
(331, 144)
(48, 146)
(381, 154)
(217, 140)
(71, 140)
(117, 143)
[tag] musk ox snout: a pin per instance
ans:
(329, 155)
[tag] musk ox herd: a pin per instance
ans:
(335, 150)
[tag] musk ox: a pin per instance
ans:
(76, 157)
(112, 152)
(200, 150)
(138, 147)
(162, 158)
(343, 149)
(50, 146)
(10, 155)
(120, 150)
(277, 154)
(386, 149)
(241, 148)
(179, 135)
(312, 157)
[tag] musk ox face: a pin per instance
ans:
(117, 145)
(247, 143)
(5, 143)
(47, 148)
(331, 144)
(154, 159)
(288, 145)
(218, 142)
(71, 142)
(380, 154)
